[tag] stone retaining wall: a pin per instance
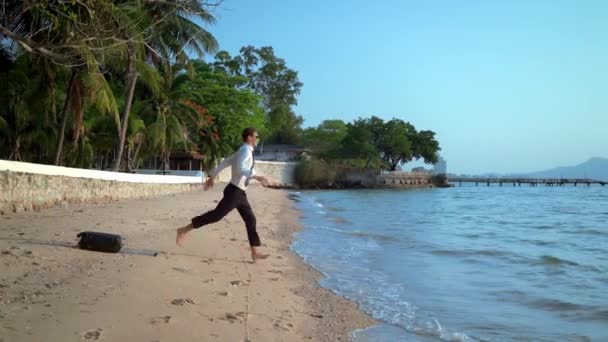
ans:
(370, 179)
(44, 186)
(405, 180)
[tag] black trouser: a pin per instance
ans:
(233, 198)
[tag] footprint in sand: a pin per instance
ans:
(182, 270)
(92, 335)
(274, 279)
(182, 301)
(280, 326)
(232, 318)
(275, 271)
(11, 251)
(239, 283)
(160, 319)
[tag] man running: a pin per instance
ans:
(242, 163)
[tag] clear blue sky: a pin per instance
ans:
(509, 86)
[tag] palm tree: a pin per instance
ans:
(64, 35)
(168, 31)
(175, 30)
(175, 112)
(26, 122)
(85, 53)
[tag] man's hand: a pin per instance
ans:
(263, 180)
(208, 184)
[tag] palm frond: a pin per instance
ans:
(3, 124)
(149, 76)
(156, 135)
(77, 106)
(101, 94)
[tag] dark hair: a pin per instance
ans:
(249, 131)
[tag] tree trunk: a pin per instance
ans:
(165, 162)
(15, 153)
(64, 119)
(125, 115)
(135, 156)
(52, 91)
(44, 158)
(124, 164)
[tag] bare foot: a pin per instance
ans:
(258, 256)
(181, 234)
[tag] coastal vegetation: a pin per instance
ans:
(364, 146)
(108, 84)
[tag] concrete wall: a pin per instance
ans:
(26, 186)
(280, 156)
(279, 173)
(187, 173)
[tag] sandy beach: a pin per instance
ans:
(207, 290)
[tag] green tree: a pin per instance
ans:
(325, 139)
(278, 85)
(169, 29)
(174, 113)
(265, 74)
(86, 59)
(27, 117)
(394, 142)
(284, 126)
(358, 145)
(58, 35)
(425, 146)
(230, 108)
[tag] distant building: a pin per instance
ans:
(191, 160)
(280, 152)
(180, 163)
(441, 167)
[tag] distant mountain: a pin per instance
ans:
(594, 168)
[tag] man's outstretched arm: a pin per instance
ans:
(263, 180)
(213, 173)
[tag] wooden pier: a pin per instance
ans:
(527, 181)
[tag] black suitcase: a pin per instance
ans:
(100, 242)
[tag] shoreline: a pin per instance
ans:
(208, 289)
(344, 316)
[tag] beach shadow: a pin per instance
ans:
(74, 245)
(43, 243)
(129, 251)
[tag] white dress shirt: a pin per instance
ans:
(242, 166)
